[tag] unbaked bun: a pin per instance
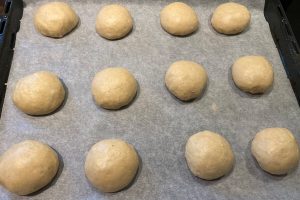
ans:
(276, 150)
(39, 93)
(55, 19)
(186, 79)
(253, 74)
(179, 19)
(209, 156)
(230, 18)
(114, 88)
(114, 22)
(27, 167)
(111, 165)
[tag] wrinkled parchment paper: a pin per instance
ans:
(156, 123)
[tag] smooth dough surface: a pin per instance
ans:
(39, 93)
(253, 74)
(114, 22)
(114, 88)
(276, 150)
(209, 156)
(27, 167)
(111, 165)
(230, 18)
(179, 19)
(55, 19)
(186, 79)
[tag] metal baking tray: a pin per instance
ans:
(283, 33)
(156, 123)
(10, 15)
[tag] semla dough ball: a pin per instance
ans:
(179, 19)
(55, 19)
(253, 74)
(230, 18)
(186, 79)
(39, 93)
(27, 167)
(111, 165)
(114, 87)
(209, 155)
(114, 22)
(276, 150)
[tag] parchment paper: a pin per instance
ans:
(156, 123)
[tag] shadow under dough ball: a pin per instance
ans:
(114, 87)
(209, 155)
(253, 74)
(55, 19)
(179, 19)
(27, 167)
(276, 150)
(111, 165)
(40, 93)
(230, 18)
(114, 22)
(186, 79)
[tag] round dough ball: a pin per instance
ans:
(253, 74)
(39, 93)
(230, 18)
(276, 150)
(186, 79)
(27, 167)
(114, 22)
(179, 19)
(55, 19)
(114, 88)
(111, 165)
(209, 155)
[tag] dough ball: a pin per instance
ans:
(186, 80)
(209, 155)
(111, 165)
(179, 19)
(114, 88)
(39, 93)
(113, 22)
(230, 18)
(55, 19)
(253, 74)
(276, 150)
(27, 167)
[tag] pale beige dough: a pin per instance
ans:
(276, 150)
(113, 22)
(39, 93)
(114, 87)
(27, 167)
(186, 79)
(230, 18)
(111, 165)
(253, 74)
(179, 19)
(55, 19)
(209, 155)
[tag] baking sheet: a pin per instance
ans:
(157, 124)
